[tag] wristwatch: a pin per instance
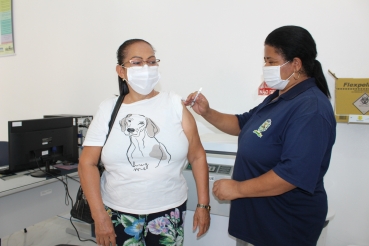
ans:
(208, 207)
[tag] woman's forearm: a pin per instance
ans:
(201, 175)
(90, 178)
(268, 184)
(227, 123)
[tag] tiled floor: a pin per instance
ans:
(50, 232)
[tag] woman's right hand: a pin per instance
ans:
(104, 230)
(200, 106)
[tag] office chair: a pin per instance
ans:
(4, 153)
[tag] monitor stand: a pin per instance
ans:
(5, 171)
(47, 172)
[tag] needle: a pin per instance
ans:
(197, 94)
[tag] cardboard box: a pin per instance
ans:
(351, 99)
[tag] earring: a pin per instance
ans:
(297, 76)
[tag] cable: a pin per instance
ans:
(82, 240)
(67, 195)
(70, 219)
(72, 178)
(66, 191)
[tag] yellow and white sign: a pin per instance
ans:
(6, 28)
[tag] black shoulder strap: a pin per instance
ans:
(111, 123)
(114, 114)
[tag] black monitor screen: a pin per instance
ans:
(41, 142)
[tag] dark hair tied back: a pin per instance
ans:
(121, 55)
(295, 41)
(320, 79)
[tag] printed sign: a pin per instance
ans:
(6, 28)
(264, 90)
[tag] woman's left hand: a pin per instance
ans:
(201, 219)
(226, 189)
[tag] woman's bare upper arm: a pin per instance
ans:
(191, 132)
(90, 155)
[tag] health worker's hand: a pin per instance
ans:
(201, 219)
(201, 105)
(226, 189)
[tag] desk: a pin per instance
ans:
(25, 200)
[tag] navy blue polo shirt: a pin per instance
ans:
(293, 136)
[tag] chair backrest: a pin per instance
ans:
(4, 153)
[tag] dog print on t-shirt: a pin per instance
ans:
(142, 133)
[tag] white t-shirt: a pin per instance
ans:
(144, 155)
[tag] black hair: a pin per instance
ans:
(121, 55)
(295, 41)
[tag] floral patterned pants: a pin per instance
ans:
(162, 228)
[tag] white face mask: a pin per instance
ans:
(272, 77)
(143, 79)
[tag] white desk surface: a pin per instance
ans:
(26, 200)
(23, 181)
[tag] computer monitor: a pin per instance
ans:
(39, 143)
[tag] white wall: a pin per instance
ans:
(65, 63)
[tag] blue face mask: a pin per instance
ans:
(272, 77)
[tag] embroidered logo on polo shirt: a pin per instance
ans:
(263, 128)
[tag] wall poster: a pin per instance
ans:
(6, 28)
